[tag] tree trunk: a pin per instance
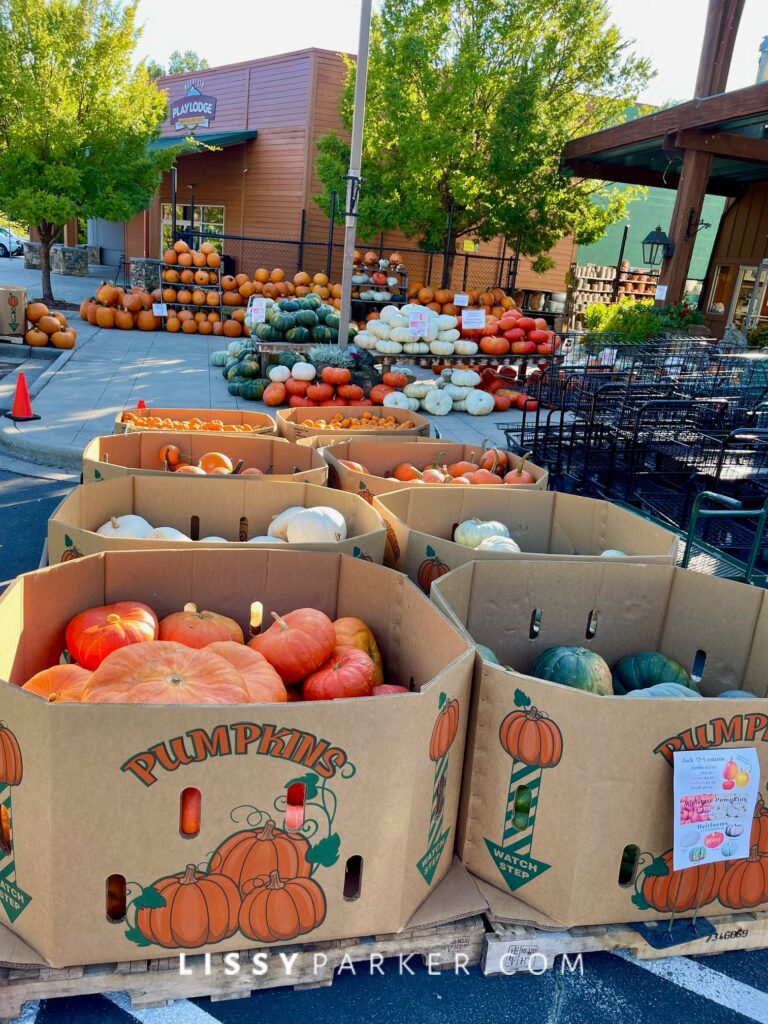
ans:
(47, 233)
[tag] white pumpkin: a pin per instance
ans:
(613, 553)
(378, 329)
(457, 394)
(365, 340)
(431, 332)
(401, 334)
(388, 313)
(460, 405)
(437, 402)
(319, 525)
(398, 321)
(447, 323)
(472, 532)
(267, 540)
(415, 348)
(498, 544)
(279, 373)
(389, 348)
(131, 526)
(213, 540)
(452, 335)
(166, 533)
(419, 388)
(279, 525)
(441, 348)
(303, 371)
(479, 403)
(465, 348)
(465, 378)
(398, 400)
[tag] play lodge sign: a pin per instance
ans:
(194, 109)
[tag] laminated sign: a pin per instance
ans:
(715, 793)
(417, 323)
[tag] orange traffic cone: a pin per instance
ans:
(141, 404)
(22, 406)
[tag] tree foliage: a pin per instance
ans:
(76, 118)
(178, 63)
(469, 105)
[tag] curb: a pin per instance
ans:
(57, 456)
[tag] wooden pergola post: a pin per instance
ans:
(723, 19)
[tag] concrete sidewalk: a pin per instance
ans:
(65, 288)
(109, 371)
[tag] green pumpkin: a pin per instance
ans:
(234, 388)
(234, 372)
(575, 667)
(313, 302)
(334, 335)
(639, 671)
(306, 318)
(289, 305)
(675, 690)
(353, 331)
(487, 653)
(266, 332)
(297, 335)
(282, 322)
(219, 358)
(234, 347)
(287, 359)
(321, 334)
(249, 368)
(322, 313)
(252, 390)
(332, 320)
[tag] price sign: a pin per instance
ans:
(473, 319)
(715, 793)
(417, 323)
(160, 309)
(258, 311)
(460, 299)
(661, 291)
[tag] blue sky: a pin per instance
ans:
(669, 32)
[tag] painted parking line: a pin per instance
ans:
(181, 1012)
(718, 988)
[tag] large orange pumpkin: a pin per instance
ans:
(199, 910)
(147, 321)
(123, 319)
(349, 673)
(108, 294)
(260, 851)
(37, 310)
(532, 738)
(61, 683)
(745, 884)
(163, 672)
(277, 910)
(232, 329)
(354, 634)
(63, 339)
(262, 682)
(35, 337)
(11, 765)
(297, 644)
(50, 324)
(680, 891)
(132, 302)
(275, 393)
(445, 729)
(198, 629)
(97, 632)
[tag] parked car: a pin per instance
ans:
(10, 243)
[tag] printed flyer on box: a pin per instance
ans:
(715, 793)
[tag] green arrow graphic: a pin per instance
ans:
(13, 899)
(436, 837)
(512, 856)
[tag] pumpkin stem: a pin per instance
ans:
(189, 875)
(112, 618)
(435, 464)
(190, 606)
(523, 460)
(257, 617)
(281, 622)
(275, 881)
(266, 832)
(114, 523)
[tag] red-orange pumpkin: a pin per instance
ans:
(349, 673)
(352, 392)
(59, 684)
(336, 375)
(354, 634)
(260, 851)
(262, 682)
(97, 632)
(274, 393)
(199, 910)
(277, 910)
(394, 380)
(198, 629)
(320, 392)
(297, 644)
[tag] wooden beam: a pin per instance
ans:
(688, 203)
(721, 27)
(727, 144)
(604, 171)
(744, 104)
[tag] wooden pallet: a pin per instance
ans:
(152, 983)
(510, 948)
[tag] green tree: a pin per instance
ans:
(77, 119)
(470, 103)
(178, 63)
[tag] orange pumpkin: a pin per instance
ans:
(61, 683)
(262, 682)
(335, 375)
(50, 324)
(532, 738)
(36, 338)
(680, 891)
(198, 629)
(199, 910)
(494, 346)
(63, 339)
(172, 324)
(108, 294)
(394, 380)
(189, 326)
(297, 644)
(257, 852)
(277, 910)
(83, 309)
(352, 392)
(495, 460)
(745, 884)
(35, 311)
(445, 728)
(147, 321)
(95, 633)
(275, 393)
(348, 673)
(213, 259)
(379, 392)
(164, 672)
(443, 296)
(232, 329)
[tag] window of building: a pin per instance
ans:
(208, 220)
(722, 288)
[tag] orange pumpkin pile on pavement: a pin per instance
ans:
(48, 328)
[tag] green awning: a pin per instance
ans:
(209, 138)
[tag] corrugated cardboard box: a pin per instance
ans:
(202, 507)
(546, 524)
(607, 783)
(381, 458)
(136, 453)
(105, 781)
(13, 310)
(260, 422)
(290, 422)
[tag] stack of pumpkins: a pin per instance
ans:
(113, 307)
(48, 328)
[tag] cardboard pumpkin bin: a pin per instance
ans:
(591, 843)
(292, 423)
(546, 525)
(256, 422)
(137, 453)
(203, 507)
(379, 458)
(348, 804)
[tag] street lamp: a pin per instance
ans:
(655, 246)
